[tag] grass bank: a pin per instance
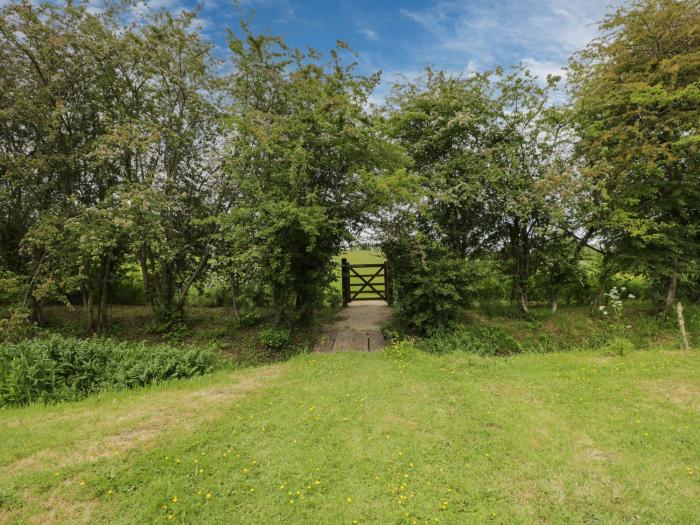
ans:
(400, 437)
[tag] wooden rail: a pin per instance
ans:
(371, 286)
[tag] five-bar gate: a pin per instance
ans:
(365, 282)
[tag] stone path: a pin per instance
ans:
(358, 329)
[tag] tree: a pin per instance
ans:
(637, 97)
(162, 144)
(528, 160)
(305, 163)
(489, 150)
(444, 123)
(57, 99)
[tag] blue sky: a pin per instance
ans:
(401, 37)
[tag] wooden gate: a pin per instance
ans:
(365, 282)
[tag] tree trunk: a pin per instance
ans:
(554, 300)
(87, 306)
(670, 296)
(104, 295)
(186, 287)
(523, 301)
(37, 312)
(523, 269)
(602, 284)
(234, 296)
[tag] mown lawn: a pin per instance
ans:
(396, 437)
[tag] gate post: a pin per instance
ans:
(388, 289)
(345, 281)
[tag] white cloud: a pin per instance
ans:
(543, 32)
(542, 68)
(368, 33)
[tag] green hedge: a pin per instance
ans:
(64, 368)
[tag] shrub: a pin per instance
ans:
(482, 340)
(275, 338)
(128, 287)
(17, 326)
(332, 297)
(431, 286)
(618, 346)
(171, 324)
(213, 294)
(248, 318)
(64, 368)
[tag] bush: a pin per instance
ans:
(17, 326)
(482, 340)
(248, 318)
(64, 368)
(171, 324)
(275, 338)
(332, 297)
(211, 295)
(618, 346)
(431, 287)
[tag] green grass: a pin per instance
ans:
(573, 328)
(357, 256)
(392, 437)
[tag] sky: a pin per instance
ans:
(401, 37)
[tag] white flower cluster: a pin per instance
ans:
(614, 302)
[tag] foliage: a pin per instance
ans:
(63, 369)
(17, 326)
(121, 128)
(172, 324)
(126, 148)
(431, 286)
(490, 152)
(618, 346)
(275, 338)
(481, 340)
(636, 98)
(304, 161)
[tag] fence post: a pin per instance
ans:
(345, 280)
(388, 289)
(681, 325)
